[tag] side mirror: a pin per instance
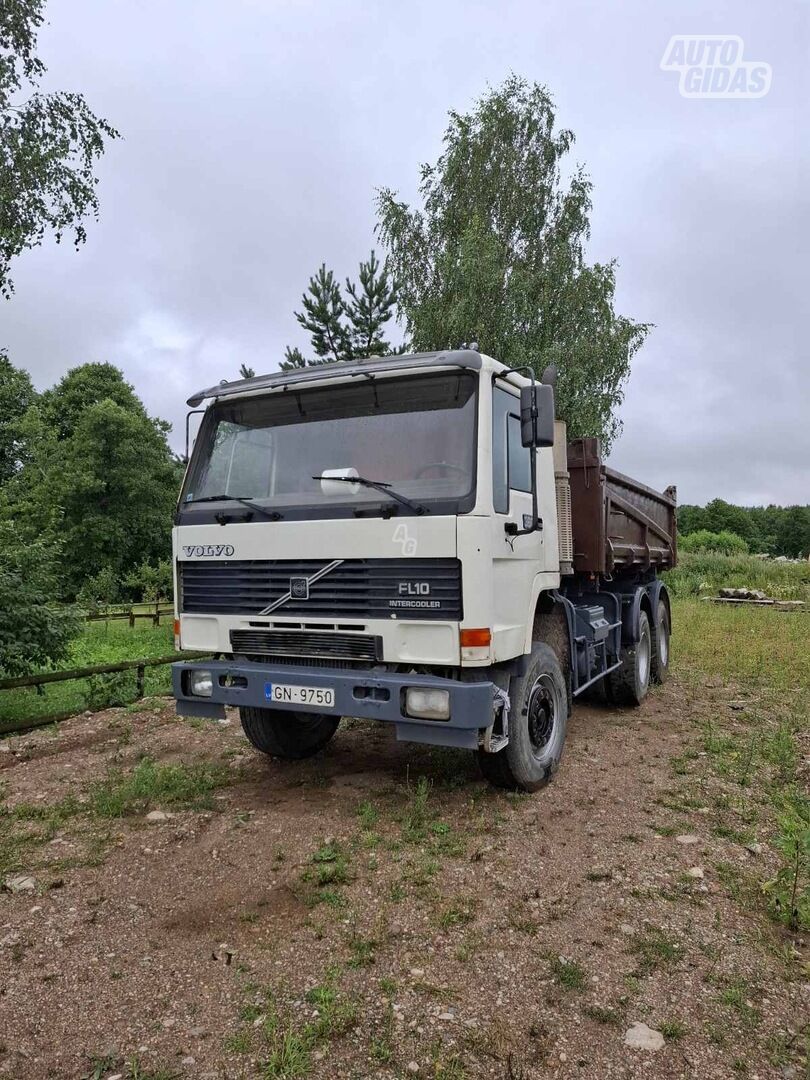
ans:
(537, 415)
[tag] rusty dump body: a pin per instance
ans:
(619, 525)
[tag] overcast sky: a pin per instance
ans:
(256, 131)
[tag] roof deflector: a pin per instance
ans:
(462, 358)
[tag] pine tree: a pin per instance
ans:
(345, 330)
(372, 305)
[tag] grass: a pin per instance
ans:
(284, 1046)
(27, 826)
(602, 1014)
(458, 912)
(755, 647)
(654, 949)
(702, 574)
(672, 1030)
(762, 655)
(328, 870)
(568, 973)
(150, 785)
(99, 643)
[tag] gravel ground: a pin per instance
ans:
(380, 912)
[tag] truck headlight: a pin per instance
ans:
(201, 683)
(427, 704)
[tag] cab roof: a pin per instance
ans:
(460, 358)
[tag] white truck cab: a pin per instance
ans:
(392, 538)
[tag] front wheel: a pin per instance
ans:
(288, 735)
(537, 724)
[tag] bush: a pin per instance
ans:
(151, 583)
(34, 630)
(101, 590)
(722, 543)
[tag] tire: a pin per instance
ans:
(537, 724)
(661, 631)
(288, 735)
(628, 685)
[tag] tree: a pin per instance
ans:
(35, 630)
(17, 394)
(64, 404)
(372, 305)
(246, 372)
(116, 482)
(49, 144)
(495, 254)
(720, 516)
(793, 534)
(341, 329)
(99, 477)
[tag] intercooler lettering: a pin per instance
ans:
(432, 604)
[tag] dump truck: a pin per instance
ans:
(414, 541)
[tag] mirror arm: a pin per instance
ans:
(536, 524)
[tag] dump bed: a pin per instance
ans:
(618, 524)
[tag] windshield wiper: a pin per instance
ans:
(378, 485)
(271, 515)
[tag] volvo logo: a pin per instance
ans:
(299, 588)
(207, 551)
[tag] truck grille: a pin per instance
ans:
(346, 589)
(326, 644)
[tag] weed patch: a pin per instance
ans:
(568, 973)
(149, 784)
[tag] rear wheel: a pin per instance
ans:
(659, 667)
(628, 685)
(537, 724)
(289, 735)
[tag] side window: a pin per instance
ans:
(500, 482)
(510, 459)
(520, 476)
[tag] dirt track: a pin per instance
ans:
(458, 932)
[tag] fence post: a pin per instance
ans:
(131, 617)
(139, 677)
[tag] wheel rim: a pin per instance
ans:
(643, 655)
(663, 639)
(542, 715)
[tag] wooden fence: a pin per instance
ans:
(138, 666)
(131, 614)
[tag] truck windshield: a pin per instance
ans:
(416, 434)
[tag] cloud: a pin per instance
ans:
(255, 136)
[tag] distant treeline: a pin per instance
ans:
(776, 530)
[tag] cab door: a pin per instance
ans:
(516, 559)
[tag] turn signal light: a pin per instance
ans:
(177, 633)
(476, 639)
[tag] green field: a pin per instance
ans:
(99, 643)
(760, 646)
(703, 573)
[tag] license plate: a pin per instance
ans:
(300, 695)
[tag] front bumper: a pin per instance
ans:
(373, 694)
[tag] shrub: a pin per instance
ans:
(150, 582)
(34, 630)
(100, 590)
(722, 543)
